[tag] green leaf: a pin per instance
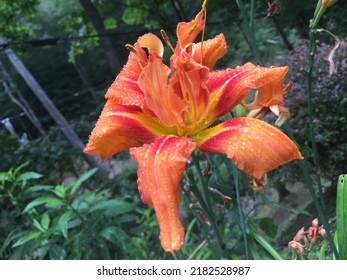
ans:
(50, 202)
(38, 188)
(341, 216)
(57, 252)
(76, 185)
(110, 23)
(5, 176)
(253, 248)
(9, 239)
(60, 191)
(29, 176)
(118, 206)
(322, 250)
(115, 235)
(265, 244)
(63, 223)
(39, 226)
(45, 221)
(27, 238)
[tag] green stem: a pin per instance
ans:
(195, 191)
(312, 51)
(204, 183)
(204, 198)
(241, 215)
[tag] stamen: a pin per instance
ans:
(203, 30)
(166, 39)
(203, 6)
(131, 48)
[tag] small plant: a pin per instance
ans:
(69, 222)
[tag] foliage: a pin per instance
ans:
(13, 25)
(329, 107)
(69, 221)
(55, 158)
(77, 25)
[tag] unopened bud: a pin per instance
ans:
(328, 3)
(296, 246)
(315, 223)
(299, 234)
(322, 232)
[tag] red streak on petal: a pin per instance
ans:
(229, 87)
(120, 128)
(125, 90)
(253, 145)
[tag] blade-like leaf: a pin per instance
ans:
(76, 185)
(38, 188)
(341, 216)
(38, 226)
(29, 176)
(115, 235)
(45, 221)
(265, 244)
(63, 223)
(118, 206)
(50, 202)
(27, 238)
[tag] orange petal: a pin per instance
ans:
(178, 98)
(229, 87)
(190, 85)
(271, 92)
(151, 42)
(153, 81)
(208, 52)
(126, 81)
(120, 128)
(161, 165)
(253, 145)
(188, 31)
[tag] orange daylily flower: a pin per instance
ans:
(163, 113)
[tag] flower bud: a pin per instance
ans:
(322, 232)
(296, 246)
(299, 234)
(315, 223)
(328, 3)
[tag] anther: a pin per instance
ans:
(131, 48)
(166, 39)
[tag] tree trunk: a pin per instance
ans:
(20, 101)
(106, 41)
(52, 110)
